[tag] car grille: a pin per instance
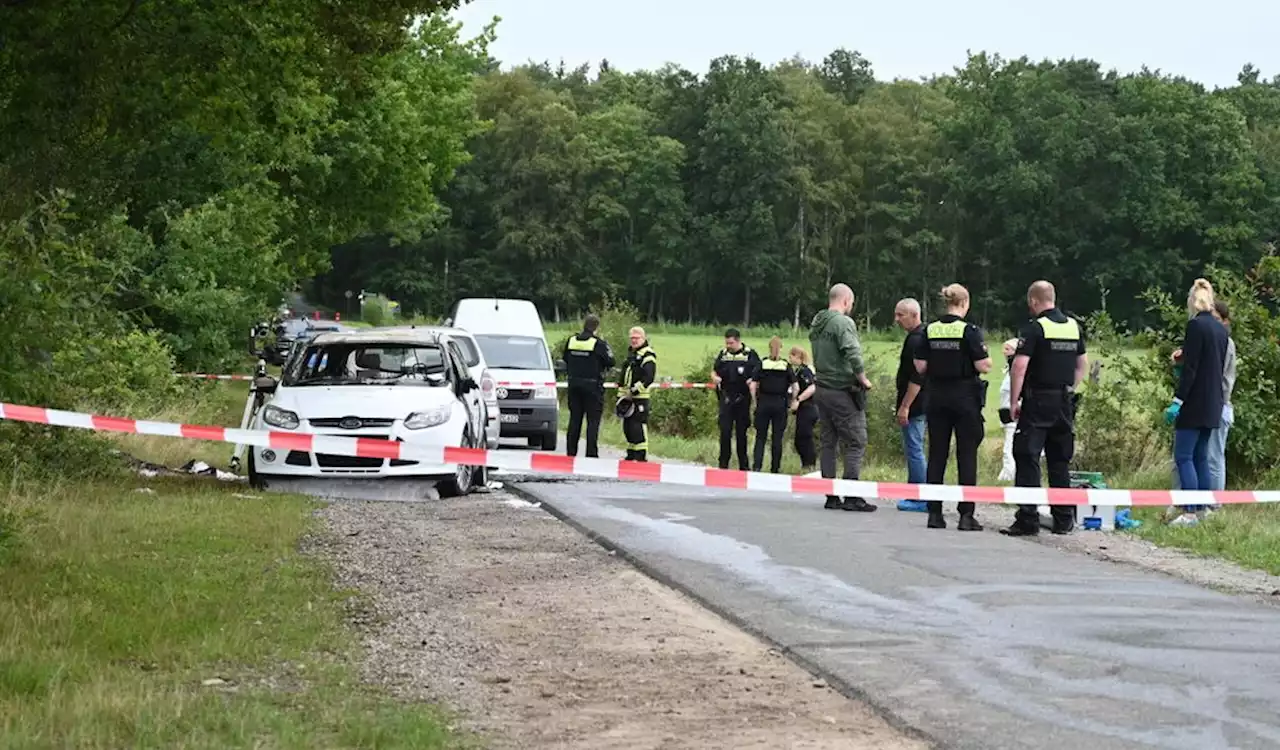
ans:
(518, 393)
(330, 461)
(336, 422)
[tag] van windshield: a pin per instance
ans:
(514, 352)
(366, 364)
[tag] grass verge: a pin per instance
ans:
(118, 606)
(1248, 535)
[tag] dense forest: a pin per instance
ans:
(739, 195)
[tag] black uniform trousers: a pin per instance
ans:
(806, 420)
(735, 417)
(955, 407)
(771, 420)
(1046, 423)
(585, 400)
(636, 432)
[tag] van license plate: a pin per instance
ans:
(509, 418)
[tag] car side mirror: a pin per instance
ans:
(561, 366)
(265, 384)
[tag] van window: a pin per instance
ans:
(514, 352)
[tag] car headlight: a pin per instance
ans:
(544, 392)
(421, 420)
(282, 418)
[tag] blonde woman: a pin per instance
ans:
(805, 410)
(774, 384)
(1196, 410)
(953, 356)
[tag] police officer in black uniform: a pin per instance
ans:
(587, 358)
(774, 385)
(953, 355)
(638, 374)
(1047, 369)
(735, 367)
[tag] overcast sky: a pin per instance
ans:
(1206, 40)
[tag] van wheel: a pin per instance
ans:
(463, 478)
(550, 440)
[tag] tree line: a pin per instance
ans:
(168, 170)
(742, 194)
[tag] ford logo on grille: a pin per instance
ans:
(502, 393)
(351, 423)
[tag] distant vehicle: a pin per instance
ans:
(479, 372)
(411, 386)
(510, 334)
(295, 330)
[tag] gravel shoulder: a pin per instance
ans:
(539, 638)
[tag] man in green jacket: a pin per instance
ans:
(841, 394)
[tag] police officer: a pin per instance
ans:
(587, 357)
(774, 385)
(1048, 366)
(953, 355)
(735, 367)
(638, 374)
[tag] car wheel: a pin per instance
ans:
(535, 442)
(463, 478)
(550, 441)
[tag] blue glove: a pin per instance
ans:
(1171, 413)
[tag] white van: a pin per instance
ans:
(509, 332)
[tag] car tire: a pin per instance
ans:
(463, 478)
(550, 440)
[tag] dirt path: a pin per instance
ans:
(542, 639)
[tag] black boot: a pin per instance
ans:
(936, 521)
(1018, 529)
(967, 520)
(642, 456)
(858, 504)
(631, 455)
(833, 503)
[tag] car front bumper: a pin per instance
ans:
(294, 463)
(528, 418)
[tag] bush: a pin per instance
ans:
(1119, 423)
(376, 310)
(689, 413)
(113, 373)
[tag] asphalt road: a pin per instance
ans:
(974, 639)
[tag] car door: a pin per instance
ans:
(470, 398)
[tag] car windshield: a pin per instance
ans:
(291, 327)
(366, 364)
(514, 352)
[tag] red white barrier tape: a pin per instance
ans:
(502, 384)
(206, 376)
(693, 476)
(552, 384)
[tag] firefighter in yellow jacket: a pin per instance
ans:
(638, 374)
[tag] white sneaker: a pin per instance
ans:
(1186, 519)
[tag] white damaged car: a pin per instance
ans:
(411, 385)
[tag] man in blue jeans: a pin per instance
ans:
(911, 398)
